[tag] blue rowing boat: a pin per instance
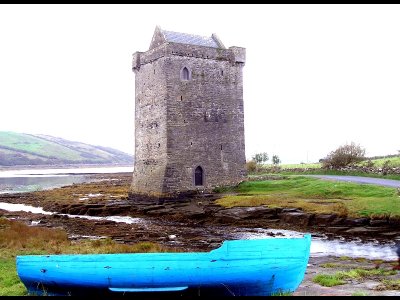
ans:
(258, 267)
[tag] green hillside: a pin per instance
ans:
(17, 149)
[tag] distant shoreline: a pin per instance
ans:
(68, 166)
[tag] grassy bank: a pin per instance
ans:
(318, 196)
(337, 172)
(19, 239)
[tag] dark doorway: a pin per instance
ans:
(198, 176)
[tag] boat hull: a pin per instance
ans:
(258, 267)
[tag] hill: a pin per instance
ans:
(19, 149)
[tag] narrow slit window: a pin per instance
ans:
(185, 74)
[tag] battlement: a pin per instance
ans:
(234, 54)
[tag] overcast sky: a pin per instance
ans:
(316, 76)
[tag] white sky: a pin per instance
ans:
(316, 76)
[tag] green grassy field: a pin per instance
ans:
(393, 162)
(38, 146)
(26, 149)
(318, 196)
(301, 166)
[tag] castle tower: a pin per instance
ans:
(189, 129)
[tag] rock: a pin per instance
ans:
(336, 229)
(390, 233)
(95, 211)
(117, 209)
(74, 210)
(150, 207)
(394, 221)
(285, 210)
(362, 230)
(94, 205)
(159, 212)
(297, 218)
(323, 220)
(238, 213)
(195, 215)
(338, 221)
(378, 222)
(356, 222)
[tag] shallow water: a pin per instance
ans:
(22, 184)
(29, 180)
(39, 210)
(320, 246)
(63, 171)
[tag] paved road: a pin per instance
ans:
(359, 179)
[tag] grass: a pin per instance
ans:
(360, 293)
(389, 284)
(338, 172)
(317, 196)
(282, 293)
(393, 162)
(36, 145)
(328, 280)
(19, 239)
(332, 265)
(298, 166)
(340, 277)
(72, 194)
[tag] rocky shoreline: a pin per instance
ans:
(202, 210)
(197, 224)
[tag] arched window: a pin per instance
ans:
(185, 74)
(198, 176)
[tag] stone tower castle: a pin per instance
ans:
(189, 129)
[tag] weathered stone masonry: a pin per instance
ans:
(189, 129)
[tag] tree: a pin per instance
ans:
(260, 158)
(276, 160)
(344, 155)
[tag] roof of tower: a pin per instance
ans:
(186, 38)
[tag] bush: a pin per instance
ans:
(251, 166)
(344, 156)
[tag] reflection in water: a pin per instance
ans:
(319, 246)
